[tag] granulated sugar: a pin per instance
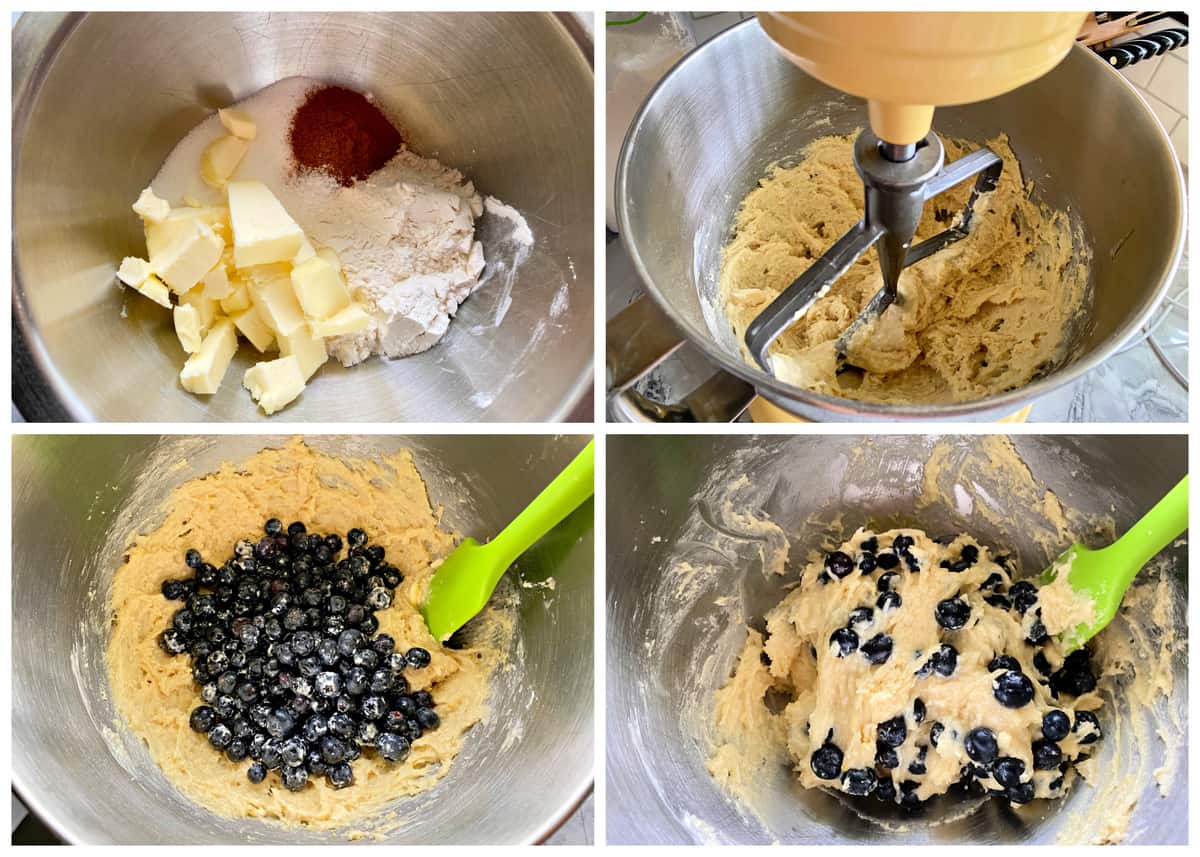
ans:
(405, 235)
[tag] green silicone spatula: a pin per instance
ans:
(1103, 575)
(464, 582)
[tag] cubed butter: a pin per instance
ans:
(238, 300)
(328, 254)
(307, 349)
(220, 160)
(133, 271)
(238, 122)
(150, 207)
(263, 232)
(305, 252)
(216, 284)
(274, 383)
(319, 288)
(251, 325)
(188, 328)
(155, 289)
(207, 308)
(350, 320)
(185, 261)
(203, 371)
(179, 222)
(260, 275)
(279, 307)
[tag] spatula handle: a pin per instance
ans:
(1165, 522)
(560, 498)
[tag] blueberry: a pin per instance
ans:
(869, 545)
(1003, 662)
(428, 718)
(236, 751)
(366, 658)
(860, 616)
(892, 732)
(328, 684)
(1046, 755)
(886, 757)
(349, 642)
(256, 773)
(220, 736)
(356, 538)
(935, 733)
(887, 561)
(911, 561)
(1055, 725)
(888, 601)
(885, 581)
(866, 563)
(839, 564)
(173, 642)
(902, 543)
(878, 649)
(826, 761)
(952, 613)
(917, 765)
(981, 745)
(280, 723)
(379, 598)
(203, 718)
(333, 750)
(1075, 677)
(1084, 719)
(1041, 664)
(885, 791)
(918, 710)
(943, 662)
(993, 580)
(392, 747)
(1023, 595)
(315, 728)
(340, 776)
(176, 590)
(341, 725)
(1008, 771)
(845, 640)
(271, 756)
(1012, 689)
(293, 751)
(373, 707)
(273, 527)
(294, 777)
(1021, 793)
(858, 781)
(366, 733)
(417, 657)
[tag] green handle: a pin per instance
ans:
(560, 498)
(1157, 529)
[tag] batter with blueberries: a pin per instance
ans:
(911, 668)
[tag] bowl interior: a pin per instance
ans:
(685, 578)
(94, 782)
(505, 98)
(734, 107)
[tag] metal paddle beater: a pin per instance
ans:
(898, 181)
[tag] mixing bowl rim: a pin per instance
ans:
(44, 395)
(784, 394)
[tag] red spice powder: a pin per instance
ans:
(338, 131)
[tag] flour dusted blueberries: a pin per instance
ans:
(927, 670)
(289, 671)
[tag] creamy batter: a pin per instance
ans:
(987, 314)
(155, 692)
(890, 677)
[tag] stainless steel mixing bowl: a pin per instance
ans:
(99, 100)
(733, 107)
(76, 500)
(671, 644)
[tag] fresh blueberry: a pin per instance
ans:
(1012, 689)
(1056, 725)
(892, 732)
(839, 564)
(858, 781)
(826, 761)
(981, 745)
(878, 649)
(952, 613)
(1046, 755)
(845, 640)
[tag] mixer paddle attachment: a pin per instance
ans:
(897, 181)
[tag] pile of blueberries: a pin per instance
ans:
(283, 646)
(1011, 687)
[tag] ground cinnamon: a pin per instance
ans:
(338, 131)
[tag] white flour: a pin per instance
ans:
(405, 235)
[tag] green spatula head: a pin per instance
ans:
(1103, 575)
(464, 582)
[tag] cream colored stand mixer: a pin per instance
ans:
(905, 64)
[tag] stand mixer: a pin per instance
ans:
(905, 65)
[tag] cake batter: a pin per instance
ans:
(987, 314)
(909, 666)
(155, 693)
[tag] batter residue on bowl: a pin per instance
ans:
(155, 694)
(989, 313)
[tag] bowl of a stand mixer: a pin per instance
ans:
(732, 108)
(100, 100)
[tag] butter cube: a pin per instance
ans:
(134, 271)
(188, 327)
(330, 256)
(220, 160)
(280, 310)
(305, 252)
(206, 308)
(319, 288)
(203, 371)
(350, 320)
(155, 289)
(251, 325)
(238, 123)
(238, 300)
(159, 236)
(185, 261)
(308, 350)
(216, 284)
(261, 275)
(274, 383)
(150, 207)
(263, 232)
